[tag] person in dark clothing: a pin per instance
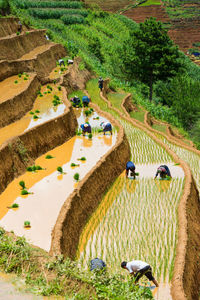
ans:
(138, 268)
(106, 126)
(97, 264)
(130, 166)
(76, 101)
(163, 171)
(61, 62)
(100, 83)
(86, 128)
(19, 27)
(85, 101)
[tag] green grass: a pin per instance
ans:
(159, 127)
(138, 115)
(150, 2)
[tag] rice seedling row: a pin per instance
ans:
(137, 219)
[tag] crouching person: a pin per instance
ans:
(163, 171)
(97, 264)
(86, 128)
(85, 101)
(106, 126)
(138, 268)
(130, 167)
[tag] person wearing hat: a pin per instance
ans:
(100, 83)
(61, 62)
(85, 101)
(76, 101)
(86, 128)
(138, 268)
(163, 171)
(130, 166)
(106, 127)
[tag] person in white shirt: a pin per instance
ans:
(61, 62)
(138, 268)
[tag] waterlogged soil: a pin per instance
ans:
(49, 188)
(57, 72)
(46, 112)
(13, 86)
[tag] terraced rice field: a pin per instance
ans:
(137, 219)
(48, 188)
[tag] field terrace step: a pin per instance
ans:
(17, 97)
(15, 46)
(139, 14)
(9, 26)
(40, 60)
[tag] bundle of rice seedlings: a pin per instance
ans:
(14, 205)
(15, 81)
(74, 165)
(90, 136)
(49, 87)
(19, 75)
(60, 170)
(27, 224)
(37, 111)
(22, 184)
(76, 176)
(24, 192)
(82, 158)
(59, 88)
(31, 113)
(35, 117)
(48, 156)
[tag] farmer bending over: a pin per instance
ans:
(76, 101)
(100, 83)
(61, 62)
(106, 127)
(130, 166)
(164, 171)
(19, 26)
(85, 101)
(86, 128)
(138, 268)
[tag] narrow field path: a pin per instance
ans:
(136, 219)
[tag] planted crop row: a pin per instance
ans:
(47, 4)
(56, 13)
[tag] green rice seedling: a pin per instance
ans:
(29, 169)
(40, 95)
(25, 78)
(34, 168)
(25, 74)
(48, 156)
(37, 111)
(24, 192)
(39, 168)
(31, 113)
(14, 205)
(35, 117)
(17, 33)
(49, 92)
(74, 165)
(45, 93)
(16, 81)
(76, 176)
(19, 75)
(90, 136)
(82, 158)
(87, 112)
(49, 87)
(59, 88)
(97, 118)
(22, 184)
(176, 164)
(91, 109)
(27, 224)
(56, 71)
(60, 170)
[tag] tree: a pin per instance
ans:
(149, 54)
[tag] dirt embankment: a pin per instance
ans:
(19, 152)
(128, 104)
(81, 204)
(186, 278)
(139, 14)
(41, 63)
(16, 107)
(8, 26)
(14, 46)
(75, 79)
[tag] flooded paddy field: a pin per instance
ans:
(48, 188)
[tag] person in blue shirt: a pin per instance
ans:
(85, 101)
(106, 126)
(130, 166)
(86, 128)
(97, 264)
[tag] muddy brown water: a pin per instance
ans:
(50, 189)
(47, 112)
(9, 88)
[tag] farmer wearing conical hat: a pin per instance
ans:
(86, 128)
(106, 127)
(163, 171)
